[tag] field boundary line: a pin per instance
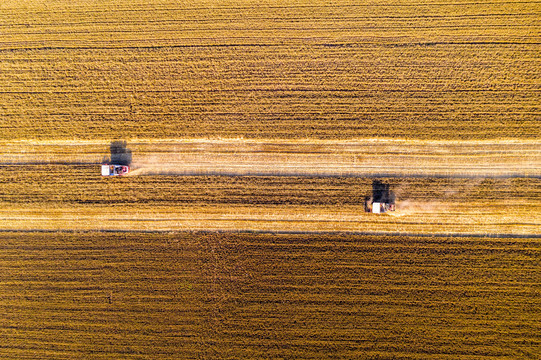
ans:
(279, 232)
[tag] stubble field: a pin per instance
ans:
(75, 197)
(294, 69)
(218, 296)
(257, 129)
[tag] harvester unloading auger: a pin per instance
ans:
(382, 199)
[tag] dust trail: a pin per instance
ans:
(245, 162)
(409, 206)
(238, 170)
(362, 158)
(303, 157)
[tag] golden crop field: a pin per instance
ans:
(266, 69)
(217, 296)
(75, 197)
(255, 132)
(272, 157)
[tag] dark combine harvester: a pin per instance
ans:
(382, 199)
(119, 162)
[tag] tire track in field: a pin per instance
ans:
(312, 158)
(344, 159)
(283, 232)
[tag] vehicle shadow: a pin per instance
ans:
(381, 193)
(120, 154)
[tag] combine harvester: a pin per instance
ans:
(114, 170)
(119, 162)
(382, 199)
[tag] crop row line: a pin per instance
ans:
(283, 232)
(274, 45)
(110, 9)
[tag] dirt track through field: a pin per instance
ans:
(301, 186)
(235, 157)
(363, 158)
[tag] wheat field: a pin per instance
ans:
(257, 131)
(35, 197)
(293, 69)
(218, 296)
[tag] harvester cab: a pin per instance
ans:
(114, 170)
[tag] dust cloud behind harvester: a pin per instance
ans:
(364, 158)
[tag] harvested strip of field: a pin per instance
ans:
(298, 158)
(76, 197)
(441, 186)
(155, 296)
(297, 69)
(362, 158)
